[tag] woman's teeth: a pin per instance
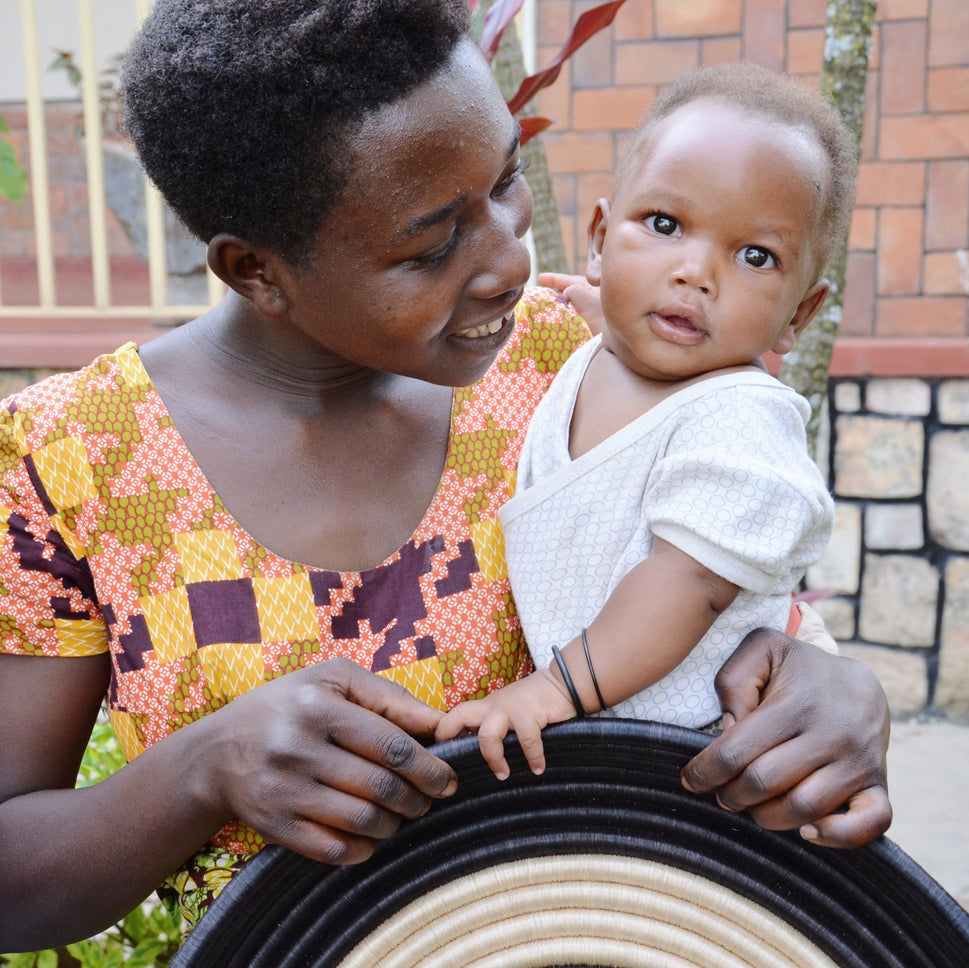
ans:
(485, 329)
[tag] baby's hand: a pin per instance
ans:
(523, 707)
(578, 291)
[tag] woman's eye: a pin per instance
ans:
(757, 257)
(506, 184)
(438, 256)
(662, 224)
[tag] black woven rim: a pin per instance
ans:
(611, 787)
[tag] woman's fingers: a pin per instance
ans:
(809, 736)
(321, 760)
(378, 721)
(869, 815)
(578, 291)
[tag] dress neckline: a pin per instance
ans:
(145, 378)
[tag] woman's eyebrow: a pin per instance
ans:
(422, 222)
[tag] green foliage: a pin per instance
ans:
(148, 937)
(13, 178)
(103, 755)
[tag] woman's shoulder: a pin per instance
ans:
(548, 331)
(76, 402)
(121, 368)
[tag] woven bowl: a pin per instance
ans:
(605, 860)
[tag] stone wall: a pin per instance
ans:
(896, 452)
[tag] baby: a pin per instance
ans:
(666, 502)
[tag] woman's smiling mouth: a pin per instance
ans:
(486, 329)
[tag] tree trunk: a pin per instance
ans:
(509, 71)
(846, 46)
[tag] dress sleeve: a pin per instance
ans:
(737, 490)
(48, 604)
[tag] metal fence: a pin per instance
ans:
(160, 304)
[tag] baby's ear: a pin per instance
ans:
(597, 236)
(806, 310)
(249, 270)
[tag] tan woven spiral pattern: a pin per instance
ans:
(584, 909)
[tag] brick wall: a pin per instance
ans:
(908, 274)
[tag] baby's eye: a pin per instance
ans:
(662, 224)
(757, 257)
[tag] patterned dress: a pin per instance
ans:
(112, 539)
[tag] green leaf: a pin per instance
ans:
(89, 953)
(13, 178)
(146, 954)
(102, 757)
(23, 959)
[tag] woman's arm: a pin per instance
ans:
(807, 734)
(321, 760)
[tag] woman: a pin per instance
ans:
(291, 482)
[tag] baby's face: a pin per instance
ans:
(708, 250)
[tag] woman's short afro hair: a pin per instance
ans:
(762, 92)
(240, 110)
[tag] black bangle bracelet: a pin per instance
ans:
(569, 684)
(592, 672)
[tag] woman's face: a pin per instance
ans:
(417, 269)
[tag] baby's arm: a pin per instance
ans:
(651, 622)
(648, 626)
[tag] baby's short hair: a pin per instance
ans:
(240, 110)
(759, 91)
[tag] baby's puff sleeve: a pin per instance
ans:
(736, 489)
(48, 603)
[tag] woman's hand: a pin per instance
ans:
(806, 735)
(578, 291)
(324, 760)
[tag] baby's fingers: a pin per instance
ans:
(530, 739)
(491, 737)
(466, 716)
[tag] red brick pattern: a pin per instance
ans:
(908, 275)
(908, 268)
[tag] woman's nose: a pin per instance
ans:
(503, 260)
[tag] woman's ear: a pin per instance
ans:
(250, 271)
(806, 310)
(597, 236)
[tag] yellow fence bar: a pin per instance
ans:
(37, 132)
(167, 314)
(154, 220)
(95, 164)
